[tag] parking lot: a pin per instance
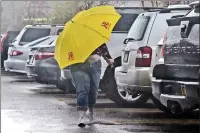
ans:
(30, 107)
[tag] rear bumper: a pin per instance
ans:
(47, 74)
(31, 71)
(188, 98)
(8, 65)
(136, 79)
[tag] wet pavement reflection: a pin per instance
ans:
(30, 107)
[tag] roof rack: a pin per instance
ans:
(58, 25)
(168, 10)
(40, 24)
(195, 3)
(155, 10)
(122, 8)
(49, 24)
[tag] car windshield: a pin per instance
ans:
(125, 22)
(32, 34)
(138, 28)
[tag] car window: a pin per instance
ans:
(138, 28)
(160, 26)
(194, 12)
(13, 34)
(59, 30)
(32, 34)
(47, 49)
(38, 41)
(47, 42)
(125, 22)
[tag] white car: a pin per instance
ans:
(133, 78)
(19, 55)
(27, 35)
(115, 45)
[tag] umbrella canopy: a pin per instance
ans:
(87, 31)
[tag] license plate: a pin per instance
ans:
(183, 90)
(31, 60)
(126, 55)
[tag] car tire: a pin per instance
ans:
(40, 80)
(113, 94)
(66, 86)
(160, 106)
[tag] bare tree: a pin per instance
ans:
(65, 11)
(152, 3)
(142, 2)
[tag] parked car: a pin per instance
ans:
(36, 62)
(44, 68)
(133, 83)
(19, 55)
(175, 83)
(115, 45)
(30, 33)
(5, 39)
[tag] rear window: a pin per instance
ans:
(36, 43)
(138, 28)
(125, 22)
(32, 34)
(47, 49)
(48, 41)
(59, 30)
(13, 34)
(194, 12)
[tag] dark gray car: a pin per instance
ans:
(175, 83)
(44, 68)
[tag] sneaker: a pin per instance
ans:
(92, 119)
(81, 120)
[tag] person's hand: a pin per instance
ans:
(111, 61)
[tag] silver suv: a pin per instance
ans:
(132, 77)
(29, 33)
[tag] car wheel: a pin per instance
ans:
(160, 106)
(121, 97)
(66, 86)
(40, 80)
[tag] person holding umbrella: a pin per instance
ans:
(83, 43)
(86, 78)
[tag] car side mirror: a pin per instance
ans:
(125, 41)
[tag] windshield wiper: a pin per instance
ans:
(128, 39)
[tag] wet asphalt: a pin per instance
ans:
(30, 107)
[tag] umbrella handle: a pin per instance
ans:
(112, 66)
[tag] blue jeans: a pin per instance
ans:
(86, 78)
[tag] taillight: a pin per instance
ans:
(143, 58)
(163, 46)
(2, 42)
(15, 53)
(43, 55)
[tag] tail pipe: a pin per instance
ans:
(174, 107)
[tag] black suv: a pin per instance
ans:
(176, 82)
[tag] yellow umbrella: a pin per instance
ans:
(87, 31)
